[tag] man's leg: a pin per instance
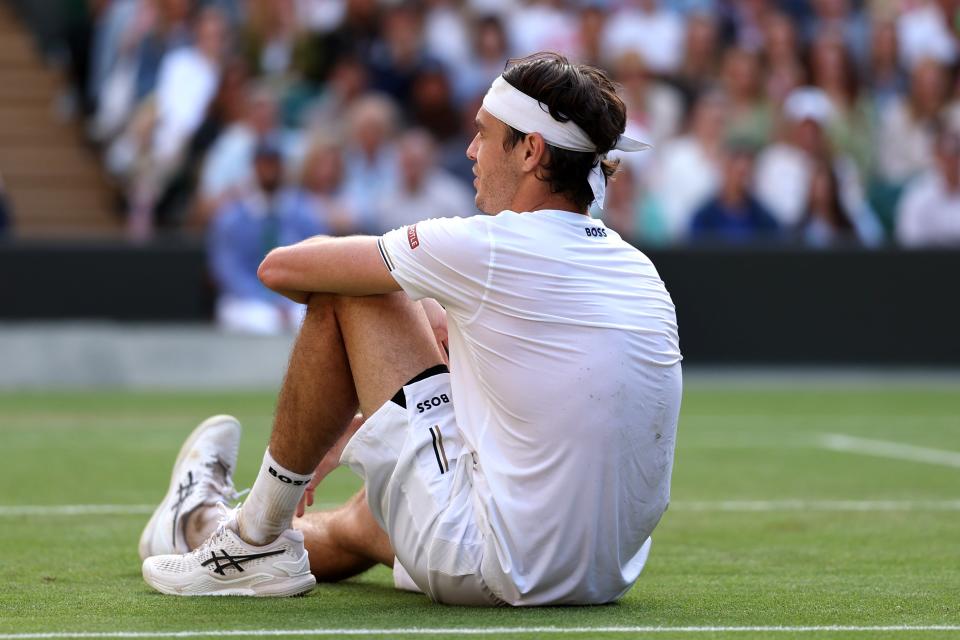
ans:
(345, 541)
(350, 351)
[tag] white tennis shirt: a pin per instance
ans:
(565, 374)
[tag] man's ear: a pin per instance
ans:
(533, 152)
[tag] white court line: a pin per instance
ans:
(472, 631)
(817, 505)
(731, 506)
(76, 510)
(9, 511)
(886, 449)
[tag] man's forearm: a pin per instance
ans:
(349, 266)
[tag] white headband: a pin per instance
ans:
(514, 108)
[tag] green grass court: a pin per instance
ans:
(818, 506)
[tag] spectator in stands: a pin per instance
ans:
(785, 169)
(637, 217)
(832, 70)
(423, 189)
(111, 23)
(885, 78)
(320, 191)
(320, 16)
(371, 166)
(646, 28)
(747, 19)
(654, 109)
(589, 47)
(228, 167)
(751, 115)
(435, 58)
(119, 40)
(781, 46)
(781, 58)
(929, 212)
(839, 21)
(432, 106)
(170, 26)
(397, 58)
(826, 222)
(271, 40)
(700, 66)
(541, 25)
(240, 236)
(734, 215)
(346, 83)
(447, 34)
(905, 136)
(686, 171)
(925, 31)
(357, 33)
(187, 83)
(488, 58)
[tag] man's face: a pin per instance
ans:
(496, 170)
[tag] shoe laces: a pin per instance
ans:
(216, 539)
(220, 491)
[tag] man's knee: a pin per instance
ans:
(321, 303)
(381, 303)
(324, 303)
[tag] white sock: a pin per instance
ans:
(268, 510)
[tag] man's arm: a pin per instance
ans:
(350, 266)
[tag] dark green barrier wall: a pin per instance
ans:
(803, 307)
(762, 307)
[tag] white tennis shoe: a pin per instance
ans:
(225, 565)
(202, 476)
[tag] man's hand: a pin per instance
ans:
(330, 462)
(437, 316)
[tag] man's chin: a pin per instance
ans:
(483, 208)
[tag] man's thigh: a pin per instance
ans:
(388, 341)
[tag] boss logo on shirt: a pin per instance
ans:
(595, 232)
(436, 401)
(285, 479)
(412, 236)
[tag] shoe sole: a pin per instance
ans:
(288, 589)
(147, 536)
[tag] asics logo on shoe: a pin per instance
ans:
(224, 468)
(226, 560)
(183, 492)
(283, 478)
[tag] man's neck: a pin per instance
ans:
(542, 200)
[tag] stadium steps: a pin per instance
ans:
(53, 180)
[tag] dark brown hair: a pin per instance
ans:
(574, 92)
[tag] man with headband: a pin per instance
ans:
(530, 468)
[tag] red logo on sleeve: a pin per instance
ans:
(412, 236)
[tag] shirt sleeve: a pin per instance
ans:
(447, 259)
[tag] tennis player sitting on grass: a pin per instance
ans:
(533, 470)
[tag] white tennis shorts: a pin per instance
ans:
(418, 479)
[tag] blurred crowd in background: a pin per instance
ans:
(261, 122)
